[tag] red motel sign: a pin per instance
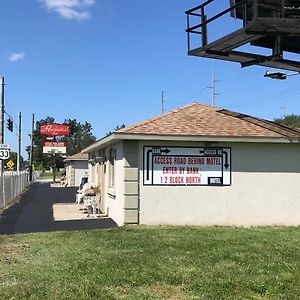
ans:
(54, 129)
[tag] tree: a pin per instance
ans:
(40, 160)
(289, 120)
(115, 129)
(80, 137)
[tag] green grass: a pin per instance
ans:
(152, 263)
(50, 175)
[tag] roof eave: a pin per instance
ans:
(102, 142)
(116, 137)
(76, 159)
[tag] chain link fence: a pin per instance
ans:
(13, 184)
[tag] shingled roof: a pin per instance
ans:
(197, 119)
(78, 156)
(198, 122)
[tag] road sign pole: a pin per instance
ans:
(54, 162)
(4, 154)
(11, 183)
(19, 144)
(2, 112)
(54, 167)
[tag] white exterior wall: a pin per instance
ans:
(94, 171)
(75, 170)
(114, 196)
(81, 168)
(264, 191)
(93, 175)
(90, 172)
(69, 175)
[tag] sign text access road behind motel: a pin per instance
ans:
(187, 166)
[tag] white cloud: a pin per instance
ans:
(70, 9)
(16, 56)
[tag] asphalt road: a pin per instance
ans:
(34, 212)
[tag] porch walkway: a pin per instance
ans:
(46, 208)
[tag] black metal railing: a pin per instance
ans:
(246, 10)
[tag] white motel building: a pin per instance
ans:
(199, 165)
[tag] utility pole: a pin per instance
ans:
(283, 108)
(19, 143)
(2, 138)
(31, 150)
(213, 87)
(31, 143)
(162, 102)
(2, 126)
(2, 112)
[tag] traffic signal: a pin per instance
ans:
(10, 124)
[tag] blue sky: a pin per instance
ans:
(107, 61)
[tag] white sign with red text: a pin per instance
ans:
(187, 166)
(55, 148)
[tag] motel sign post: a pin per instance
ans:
(54, 147)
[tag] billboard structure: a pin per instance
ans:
(272, 25)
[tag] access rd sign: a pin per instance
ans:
(187, 166)
(4, 151)
(55, 148)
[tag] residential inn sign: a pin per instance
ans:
(187, 166)
(54, 129)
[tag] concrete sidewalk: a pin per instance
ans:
(44, 208)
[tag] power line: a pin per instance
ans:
(271, 97)
(268, 100)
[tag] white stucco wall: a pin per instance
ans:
(69, 175)
(81, 168)
(265, 190)
(93, 178)
(74, 171)
(114, 196)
